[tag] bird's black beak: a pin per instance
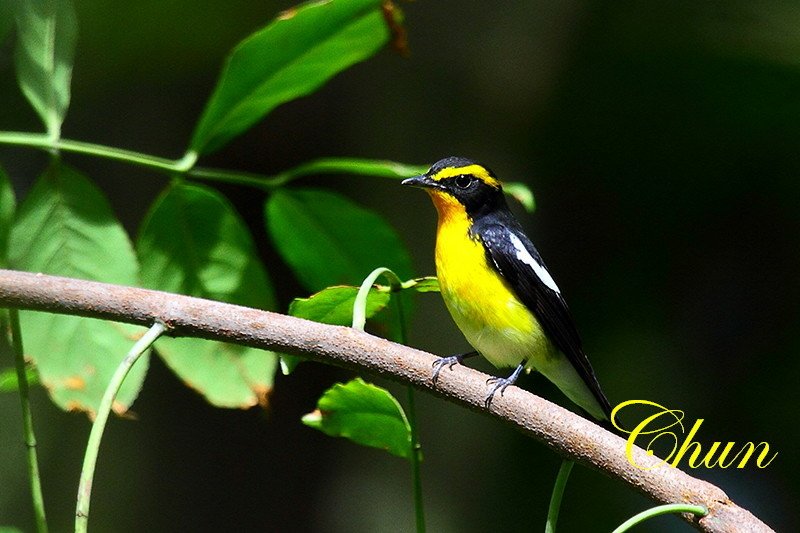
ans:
(422, 181)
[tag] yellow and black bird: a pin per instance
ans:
(497, 288)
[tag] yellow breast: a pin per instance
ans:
(482, 304)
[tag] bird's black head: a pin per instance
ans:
(463, 181)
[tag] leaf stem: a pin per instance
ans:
(359, 320)
(45, 142)
(416, 459)
(659, 510)
(186, 164)
(27, 422)
(558, 495)
(348, 165)
(96, 434)
(360, 302)
(416, 448)
(248, 179)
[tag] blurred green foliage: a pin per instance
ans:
(191, 241)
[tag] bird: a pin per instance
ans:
(498, 290)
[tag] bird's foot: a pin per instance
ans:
(501, 384)
(498, 385)
(449, 362)
(442, 362)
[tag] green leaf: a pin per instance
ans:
(9, 529)
(8, 205)
(66, 227)
(291, 57)
(193, 242)
(352, 166)
(521, 193)
(364, 413)
(8, 379)
(6, 21)
(424, 284)
(334, 305)
(227, 375)
(289, 363)
(329, 240)
(46, 33)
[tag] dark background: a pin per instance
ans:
(661, 141)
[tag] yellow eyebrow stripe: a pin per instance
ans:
(474, 170)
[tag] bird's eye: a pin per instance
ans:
(463, 181)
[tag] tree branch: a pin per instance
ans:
(563, 431)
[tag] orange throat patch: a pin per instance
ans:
(448, 208)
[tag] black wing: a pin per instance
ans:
(513, 254)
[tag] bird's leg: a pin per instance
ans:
(449, 362)
(501, 384)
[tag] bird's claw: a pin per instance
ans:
(498, 385)
(449, 362)
(501, 384)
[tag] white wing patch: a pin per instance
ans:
(539, 269)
